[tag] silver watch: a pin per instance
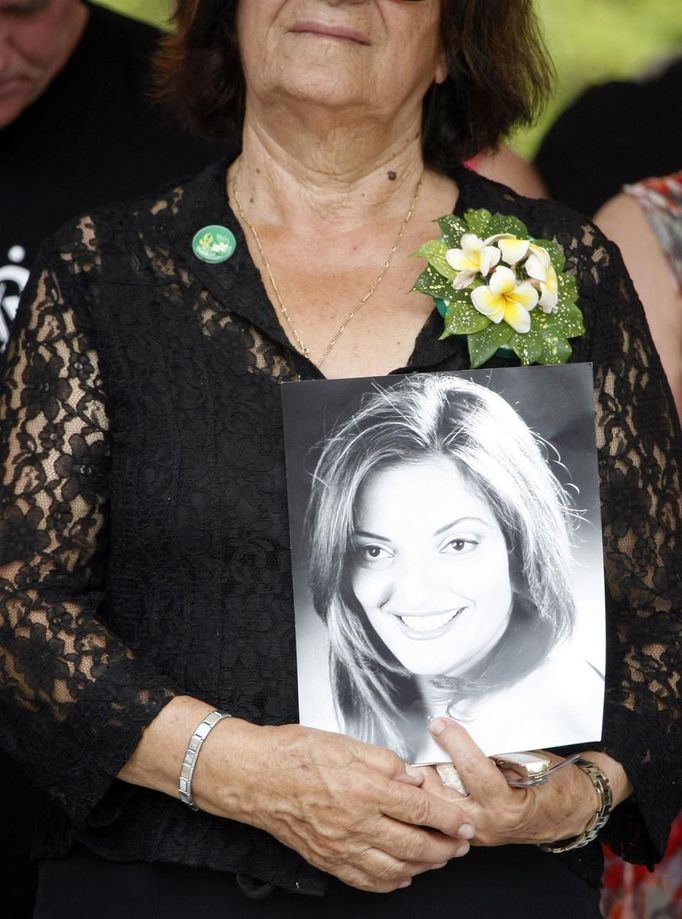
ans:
(601, 815)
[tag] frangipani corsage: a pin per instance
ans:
(501, 288)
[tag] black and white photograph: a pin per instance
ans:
(447, 557)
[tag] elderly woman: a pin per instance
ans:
(145, 567)
(434, 495)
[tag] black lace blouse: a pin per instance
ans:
(144, 546)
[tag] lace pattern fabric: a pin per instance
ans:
(143, 525)
(630, 889)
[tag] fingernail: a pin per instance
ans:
(466, 831)
(414, 772)
(439, 865)
(463, 850)
(437, 726)
(405, 884)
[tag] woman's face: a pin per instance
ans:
(430, 566)
(376, 54)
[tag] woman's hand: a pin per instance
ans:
(502, 814)
(349, 808)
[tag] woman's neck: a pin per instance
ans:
(435, 700)
(330, 181)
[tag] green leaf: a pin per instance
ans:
(568, 321)
(567, 288)
(452, 228)
(556, 349)
(484, 344)
(527, 346)
(433, 283)
(464, 319)
(507, 223)
(434, 251)
(543, 322)
(479, 222)
(430, 249)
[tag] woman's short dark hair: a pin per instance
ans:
(499, 73)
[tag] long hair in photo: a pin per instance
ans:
(502, 461)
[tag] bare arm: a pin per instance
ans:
(623, 220)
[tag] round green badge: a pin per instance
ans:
(214, 244)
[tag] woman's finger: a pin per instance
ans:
(479, 775)
(410, 844)
(418, 807)
(381, 872)
(501, 814)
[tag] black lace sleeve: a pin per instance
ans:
(73, 699)
(640, 460)
(639, 456)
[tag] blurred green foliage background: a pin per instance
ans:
(590, 41)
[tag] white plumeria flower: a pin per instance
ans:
(539, 267)
(504, 298)
(473, 258)
(513, 249)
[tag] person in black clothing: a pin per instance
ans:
(147, 649)
(78, 125)
(78, 128)
(614, 134)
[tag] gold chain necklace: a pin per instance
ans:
(305, 351)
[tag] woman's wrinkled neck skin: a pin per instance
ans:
(333, 123)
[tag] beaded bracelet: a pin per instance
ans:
(192, 753)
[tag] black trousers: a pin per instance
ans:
(518, 881)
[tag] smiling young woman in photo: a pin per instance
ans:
(148, 675)
(415, 526)
(440, 561)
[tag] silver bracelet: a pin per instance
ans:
(192, 753)
(597, 821)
